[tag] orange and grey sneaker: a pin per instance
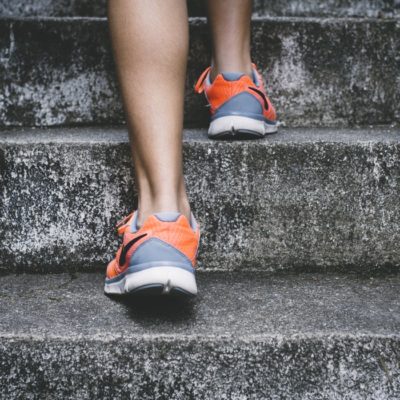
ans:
(240, 107)
(157, 258)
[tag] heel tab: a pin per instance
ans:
(232, 76)
(167, 216)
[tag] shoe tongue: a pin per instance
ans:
(134, 226)
(255, 78)
(232, 76)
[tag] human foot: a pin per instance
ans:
(157, 258)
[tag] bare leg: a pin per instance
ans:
(230, 22)
(150, 41)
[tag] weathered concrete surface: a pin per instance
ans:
(97, 8)
(245, 337)
(319, 71)
(328, 8)
(301, 200)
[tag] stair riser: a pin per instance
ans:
(282, 205)
(28, 8)
(276, 368)
(320, 72)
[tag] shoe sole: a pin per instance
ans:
(240, 128)
(155, 281)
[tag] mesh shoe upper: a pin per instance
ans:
(158, 241)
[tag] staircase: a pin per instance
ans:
(299, 266)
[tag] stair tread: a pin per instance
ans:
(118, 134)
(230, 305)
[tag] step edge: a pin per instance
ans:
(195, 21)
(118, 135)
(244, 338)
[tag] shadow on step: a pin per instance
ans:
(157, 308)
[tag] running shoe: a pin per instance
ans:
(157, 258)
(240, 107)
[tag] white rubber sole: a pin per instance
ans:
(166, 279)
(236, 124)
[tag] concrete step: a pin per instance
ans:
(247, 336)
(331, 72)
(91, 8)
(302, 200)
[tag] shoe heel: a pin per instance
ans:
(240, 127)
(163, 280)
